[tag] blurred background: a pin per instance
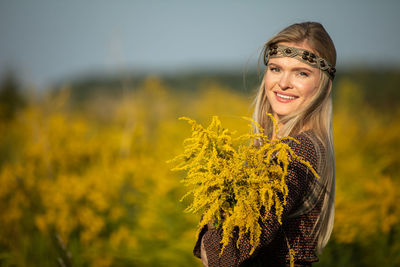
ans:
(90, 93)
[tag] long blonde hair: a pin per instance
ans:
(317, 115)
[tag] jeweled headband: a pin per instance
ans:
(303, 55)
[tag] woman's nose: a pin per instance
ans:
(285, 82)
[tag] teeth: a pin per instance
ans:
(285, 96)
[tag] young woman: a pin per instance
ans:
(296, 89)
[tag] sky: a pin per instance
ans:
(48, 41)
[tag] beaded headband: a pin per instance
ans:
(305, 56)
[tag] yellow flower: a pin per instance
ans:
(234, 180)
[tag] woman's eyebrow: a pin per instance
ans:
(302, 69)
(270, 64)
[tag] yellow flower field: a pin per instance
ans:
(90, 186)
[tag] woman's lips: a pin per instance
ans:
(284, 98)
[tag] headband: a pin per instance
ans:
(305, 56)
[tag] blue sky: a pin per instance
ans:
(47, 41)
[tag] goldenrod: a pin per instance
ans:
(232, 180)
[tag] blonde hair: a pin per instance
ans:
(317, 115)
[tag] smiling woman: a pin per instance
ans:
(296, 89)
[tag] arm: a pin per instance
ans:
(298, 181)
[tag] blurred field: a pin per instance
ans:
(84, 179)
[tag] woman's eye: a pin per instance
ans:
(274, 69)
(303, 74)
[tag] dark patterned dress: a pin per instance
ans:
(297, 231)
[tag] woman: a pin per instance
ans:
(296, 89)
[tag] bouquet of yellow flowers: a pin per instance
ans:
(232, 179)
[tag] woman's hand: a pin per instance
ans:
(217, 223)
(210, 226)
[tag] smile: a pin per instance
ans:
(284, 98)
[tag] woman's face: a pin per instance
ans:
(290, 83)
